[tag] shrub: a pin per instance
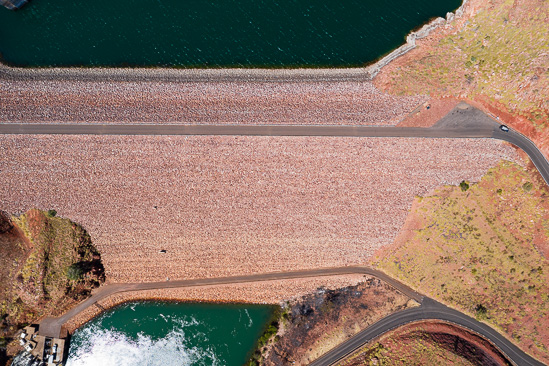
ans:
(481, 312)
(52, 213)
(464, 186)
(527, 186)
(270, 331)
(75, 272)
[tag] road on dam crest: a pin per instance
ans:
(462, 122)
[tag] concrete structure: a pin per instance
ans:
(51, 351)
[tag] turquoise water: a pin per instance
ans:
(203, 33)
(165, 334)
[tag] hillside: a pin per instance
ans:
(427, 343)
(496, 56)
(47, 264)
(483, 251)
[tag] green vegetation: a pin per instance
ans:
(269, 335)
(464, 186)
(75, 272)
(480, 312)
(58, 244)
(527, 186)
(499, 53)
(47, 264)
(481, 251)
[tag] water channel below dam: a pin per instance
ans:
(155, 333)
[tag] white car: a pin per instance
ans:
(504, 128)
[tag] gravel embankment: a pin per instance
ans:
(224, 206)
(238, 102)
(268, 292)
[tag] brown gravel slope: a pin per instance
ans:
(202, 102)
(233, 205)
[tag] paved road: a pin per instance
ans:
(51, 327)
(462, 122)
(528, 146)
(242, 130)
(429, 309)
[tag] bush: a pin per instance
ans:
(75, 272)
(270, 331)
(481, 312)
(527, 186)
(52, 213)
(464, 186)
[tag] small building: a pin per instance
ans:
(50, 350)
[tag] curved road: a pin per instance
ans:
(462, 122)
(429, 309)
(52, 326)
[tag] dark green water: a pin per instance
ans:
(201, 33)
(166, 334)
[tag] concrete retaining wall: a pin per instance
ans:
(410, 44)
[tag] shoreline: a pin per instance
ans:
(279, 291)
(153, 73)
(278, 306)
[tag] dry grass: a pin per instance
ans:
(482, 252)
(498, 54)
(34, 281)
(324, 319)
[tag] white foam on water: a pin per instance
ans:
(250, 318)
(113, 348)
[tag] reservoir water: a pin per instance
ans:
(164, 333)
(210, 33)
